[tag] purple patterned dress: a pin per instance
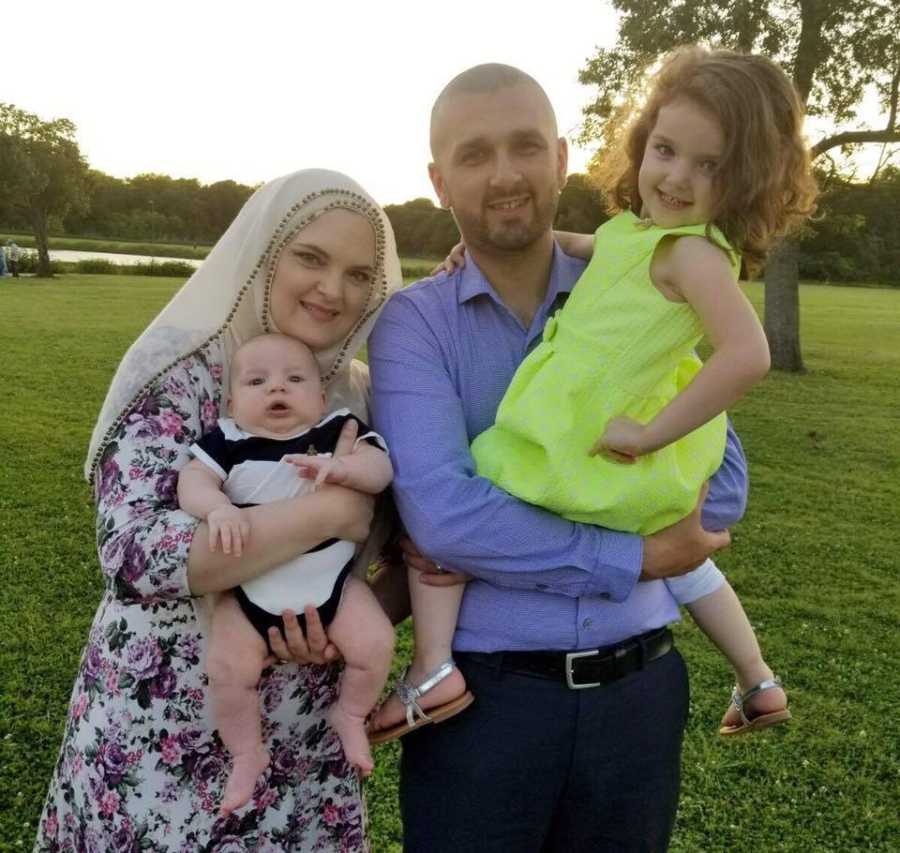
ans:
(141, 767)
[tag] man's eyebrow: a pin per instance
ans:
(472, 142)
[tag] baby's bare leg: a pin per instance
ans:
(234, 662)
(365, 638)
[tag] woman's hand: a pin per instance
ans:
(430, 572)
(229, 525)
(314, 647)
(455, 260)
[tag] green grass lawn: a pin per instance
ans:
(815, 563)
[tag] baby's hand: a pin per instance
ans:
(624, 440)
(230, 525)
(322, 469)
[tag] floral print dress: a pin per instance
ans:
(141, 767)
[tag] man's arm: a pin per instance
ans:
(464, 521)
(457, 517)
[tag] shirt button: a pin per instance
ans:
(541, 586)
(587, 623)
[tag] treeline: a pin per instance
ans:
(856, 233)
(855, 236)
(150, 207)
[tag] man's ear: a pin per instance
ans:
(562, 160)
(440, 188)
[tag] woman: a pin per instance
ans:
(309, 255)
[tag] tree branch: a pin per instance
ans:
(851, 137)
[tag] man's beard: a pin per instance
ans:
(512, 236)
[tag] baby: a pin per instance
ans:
(277, 444)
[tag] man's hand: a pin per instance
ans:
(683, 546)
(430, 573)
(294, 646)
(229, 525)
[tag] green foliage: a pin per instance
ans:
(582, 208)
(28, 263)
(856, 236)
(158, 207)
(166, 269)
(814, 562)
(42, 172)
(421, 229)
(97, 266)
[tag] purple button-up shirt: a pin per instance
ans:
(441, 357)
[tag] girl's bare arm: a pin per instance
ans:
(701, 274)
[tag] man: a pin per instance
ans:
(13, 253)
(536, 763)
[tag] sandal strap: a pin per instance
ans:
(740, 699)
(408, 694)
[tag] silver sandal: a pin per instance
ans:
(760, 721)
(416, 716)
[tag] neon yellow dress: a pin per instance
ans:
(617, 347)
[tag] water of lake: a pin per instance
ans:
(72, 256)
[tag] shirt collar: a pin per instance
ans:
(564, 272)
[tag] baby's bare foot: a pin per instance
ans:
(391, 711)
(351, 729)
(242, 780)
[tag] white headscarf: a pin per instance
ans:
(226, 301)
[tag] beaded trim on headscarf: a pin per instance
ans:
(353, 202)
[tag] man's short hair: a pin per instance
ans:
(481, 79)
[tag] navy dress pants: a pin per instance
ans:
(534, 767)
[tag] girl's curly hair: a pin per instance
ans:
(764, 186)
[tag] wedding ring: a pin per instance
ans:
(440, 569)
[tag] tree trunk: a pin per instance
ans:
(782, 320)
(39, 226)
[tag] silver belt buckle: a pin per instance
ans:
(570, 657)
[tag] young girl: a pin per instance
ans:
(612, 419)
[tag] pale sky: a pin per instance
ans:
(250, 91)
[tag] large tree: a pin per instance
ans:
(834, 50)
(42, 171)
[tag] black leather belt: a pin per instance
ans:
(579, 670)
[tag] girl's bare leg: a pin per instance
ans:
(722, 618)
(365, 638)
(234, 664)
(435, 610)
